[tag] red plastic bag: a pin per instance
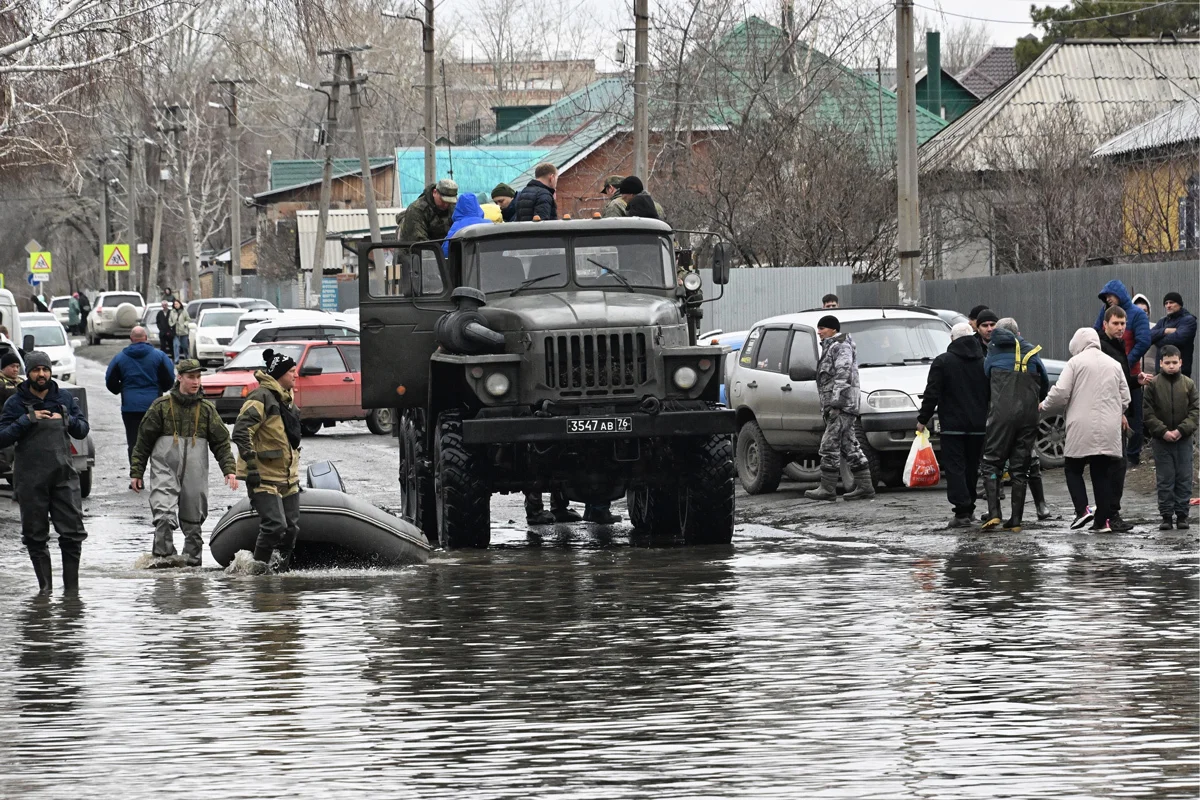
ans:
(921, 469)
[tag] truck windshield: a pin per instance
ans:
(504, 264)
(896, 342)
(540, 262)
(641, 260)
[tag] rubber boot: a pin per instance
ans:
(864, 486)
(1038, 491)
(70, 565)
(1013, 523)
(827, 490)
(991, 490)
(44, 571)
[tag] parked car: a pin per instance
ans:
(114, 315)
(254, 304)
(734, 342)
(214, 330)
(255, 316)
(194, 307)
(328, 389)
(51, 337)
(60, 307)
(149, 321)
(9, 317)
(290, 328)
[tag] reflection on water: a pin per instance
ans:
(571, 666)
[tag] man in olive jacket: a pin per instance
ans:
(172, 445)
(428, 218)
(267, 435)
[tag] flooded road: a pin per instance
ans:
(840, 656)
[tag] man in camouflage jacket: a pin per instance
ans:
(837, 386)
(173, 441)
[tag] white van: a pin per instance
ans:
(9, 317)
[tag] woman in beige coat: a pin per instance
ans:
(1094, 392)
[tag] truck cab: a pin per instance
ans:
(548, 355)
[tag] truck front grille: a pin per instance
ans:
(580, 364)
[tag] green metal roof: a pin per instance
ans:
(476, 168)
(301, 171)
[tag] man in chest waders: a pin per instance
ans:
(40, 420)
(172, 447)
(267, 435)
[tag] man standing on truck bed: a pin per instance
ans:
(537, 198)
(837, 385)
(428, 218)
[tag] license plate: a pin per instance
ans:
(600, 425)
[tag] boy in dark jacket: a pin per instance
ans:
(139, 374)
(957, 389)
(1137, 342)
(1172, 413)
(1177, 328)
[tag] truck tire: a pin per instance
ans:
(759, 466)
(416, 477)
(460, 486)
(381, 421)
(710, 502)
(655, 510)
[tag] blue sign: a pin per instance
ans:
(329, 294)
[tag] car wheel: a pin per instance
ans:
(804, 470)
(1052, 441)
(381, 421)
(85, 482)
(311, 427)
(759, 466)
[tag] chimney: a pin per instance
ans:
(933, 72)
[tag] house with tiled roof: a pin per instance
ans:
(994, 68)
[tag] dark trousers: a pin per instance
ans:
(133, 421)
(1174, 471)
(56, 501)
(1133, 446)
(278, 524)
(533, 502)
(1102, 468)
(960, 464)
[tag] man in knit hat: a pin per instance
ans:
(503, 196)
(172, 445)
(985, 323)
(267, 435)
(10, 375)
(837, 386)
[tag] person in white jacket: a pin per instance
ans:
(1094, 392)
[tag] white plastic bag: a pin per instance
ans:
(921, 469)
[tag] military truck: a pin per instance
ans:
(547, 356)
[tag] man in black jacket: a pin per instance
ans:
(166, 331)
(537, 198)
(1112, 342)
(957, 389)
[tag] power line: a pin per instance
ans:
(1031, 23)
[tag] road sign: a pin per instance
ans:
(35, 278)
(116, 258)
(39, 261)
(32, 246)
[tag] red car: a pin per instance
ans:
(328, 389)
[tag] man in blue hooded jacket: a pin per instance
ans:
(1018, 383)
(1137, 342)
(139, 373)
(466, 212)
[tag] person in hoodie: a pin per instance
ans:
(957, 390)
(1095, 394)
(139, 374)
(1178, 329)
(467, 212)
(173, 443)
(1017, 381)
(1137, 342)
(837, 386)
(40, 420)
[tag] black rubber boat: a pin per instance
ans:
(335, 530)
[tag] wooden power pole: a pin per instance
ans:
(641, 89)
(908, 208)
(235, 182)
(331, 122)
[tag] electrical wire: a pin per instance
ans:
(1030, 23)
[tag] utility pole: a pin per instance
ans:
(641, 88)
(331, 121)
(156, 235)
(102, 172)
(908, 209)
(235, 181)
(175, 129)
(430, 111)
(360, 135)
(131, 210)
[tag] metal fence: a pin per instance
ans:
(283, 295)
(1049, 306)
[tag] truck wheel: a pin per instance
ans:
(759, 466)
(85, 483)
(710, 500)
(416, 478)
(655, 510)
(464, 517)
(381, 421)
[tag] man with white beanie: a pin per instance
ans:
(957, 390)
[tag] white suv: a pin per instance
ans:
(773, 388)
(114, 315)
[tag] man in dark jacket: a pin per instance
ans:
(139, 374)
(838, 388)
(40, 420)
(957, 389)
(1112, 343)
(503, 196)
(428, 218)
(984, 324)
(1177, 328)
(1018, 383)
(1137, 342)
(537, 198)
(166, 331)
(10, 375)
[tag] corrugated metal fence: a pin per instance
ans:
(1049, 306)
(283, 295)
(754, 294)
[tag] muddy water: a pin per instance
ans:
(577, 666)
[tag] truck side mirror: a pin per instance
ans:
(802, 372)
(27, 344)
(720, 264)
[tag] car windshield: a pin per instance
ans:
(252, 357)
(220, 319)
(896, 342)
(45, 335)
(114, 300)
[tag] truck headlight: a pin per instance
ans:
(692, 282)
(685, 378)
(497, 384)
(889, 400)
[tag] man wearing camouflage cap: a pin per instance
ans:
(172, 446)
(616, 205)
(428, 218)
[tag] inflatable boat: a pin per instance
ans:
(335, 530)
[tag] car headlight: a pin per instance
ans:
(235, 391)
(685, 378)
(889, 400)
(206, 340)
(497, 384)
(692, 282)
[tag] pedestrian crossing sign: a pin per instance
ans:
(39, 262)
(116, 257)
